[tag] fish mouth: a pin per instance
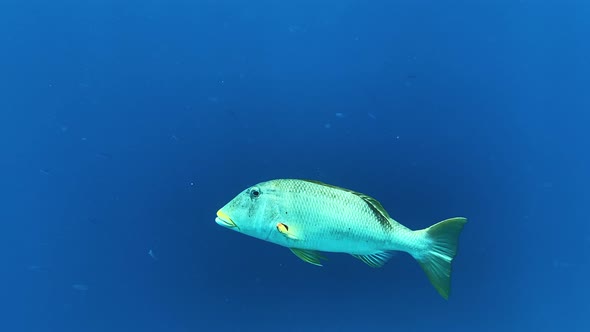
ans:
(224, 220)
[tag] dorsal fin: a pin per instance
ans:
(374, 205)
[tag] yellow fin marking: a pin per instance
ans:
(284, 229)
(309, 256)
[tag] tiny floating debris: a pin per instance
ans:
(103, 155)
(80, 287)
(35, 268)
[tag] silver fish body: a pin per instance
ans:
(311, 217)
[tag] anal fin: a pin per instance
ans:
(377, 259)
(309, 256)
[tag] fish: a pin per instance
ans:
(312, 218)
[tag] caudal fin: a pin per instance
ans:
(436, 262)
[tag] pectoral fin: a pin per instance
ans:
(310, 256)
(286, 231)
(377, 259)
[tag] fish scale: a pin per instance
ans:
(332, 216)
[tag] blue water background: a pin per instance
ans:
(125, 125)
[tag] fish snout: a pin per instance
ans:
(224, 220)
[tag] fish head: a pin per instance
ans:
(253, 212)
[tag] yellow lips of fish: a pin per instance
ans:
(224, 220)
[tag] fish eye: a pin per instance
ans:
(254, 192)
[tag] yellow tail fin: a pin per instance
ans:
(436, 262)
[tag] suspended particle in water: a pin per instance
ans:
(80, 287)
